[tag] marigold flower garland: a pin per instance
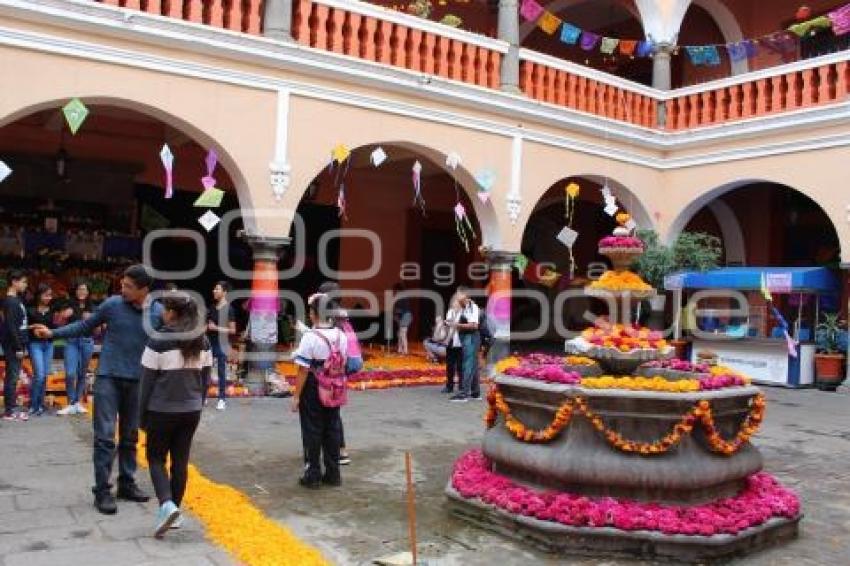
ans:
(701, 412)
(762, 499)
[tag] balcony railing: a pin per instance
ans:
(236, 15)
(368, 32)
(364, 31)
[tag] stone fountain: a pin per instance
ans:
(588, 462)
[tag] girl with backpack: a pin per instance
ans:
(320, 392)
(175, 367)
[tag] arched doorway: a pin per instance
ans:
(575, 267)
(764, 224)
(80, 205)
(391, 234)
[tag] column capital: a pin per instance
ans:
(265, 247)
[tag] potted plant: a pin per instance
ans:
(831, 340)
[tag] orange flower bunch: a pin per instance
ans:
(701, 412)
(365, 384)
(749, 427)
(622, 218)
(579, 361)
(624, 338)
(498, 405)
(620, 281)
(640, 383)
(503, 365)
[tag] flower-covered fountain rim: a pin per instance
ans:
(572, 390)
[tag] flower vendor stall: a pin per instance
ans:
(772, 347)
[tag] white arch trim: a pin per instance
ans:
(707, 198)
(730, 228)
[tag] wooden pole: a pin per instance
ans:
(411, 506)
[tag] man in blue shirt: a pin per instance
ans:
(116, 390)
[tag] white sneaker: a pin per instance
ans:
(69, 410)
(221, 405)
(178, 522)
(81, 410)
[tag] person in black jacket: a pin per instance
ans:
(175, 366)
(13, 339)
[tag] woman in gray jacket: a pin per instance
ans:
(175, 366)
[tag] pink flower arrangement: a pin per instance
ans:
(621, 242)
(712, 382)
(540, 359)
(549, 373)
(762, 499)
(678, 365)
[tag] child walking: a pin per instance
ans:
(175, 367)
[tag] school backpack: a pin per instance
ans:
(333, 389)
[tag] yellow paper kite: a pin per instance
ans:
(340, 153)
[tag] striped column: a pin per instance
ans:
(499, 305)
(263, 309)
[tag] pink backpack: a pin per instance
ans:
(333, 389)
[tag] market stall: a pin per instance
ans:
(773, 339)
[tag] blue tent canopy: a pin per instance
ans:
(803, 279)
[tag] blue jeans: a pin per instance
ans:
(78, 353)
(10, 382)
(221, 364)
(470, 343)
(115, 399)
(41, 354)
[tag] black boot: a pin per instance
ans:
(105, 503)
(131, 492)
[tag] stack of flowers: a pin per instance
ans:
(624, 338)
(640, 383)
(723, 381)
(660, 383)
(630, 243)
(579, 361)
(677, 365)
(550, 373)
(762, 499)
(620, 281)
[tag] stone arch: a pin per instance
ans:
(557, 6)
(484, 213)
(185, 127)
(729, 27)
(709, 197)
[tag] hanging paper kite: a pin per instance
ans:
(208, 181)
(75, 114)
(210, 198)
(209, 220)
(485, 178)
(571, 192)
(167, 159)
(628, 46)
(378, 156)
(340, 158)
(340, 153)
(417, 186)
(5, 171)
(463, 225)
(589, 40)
(452, 160)
(609, 44)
